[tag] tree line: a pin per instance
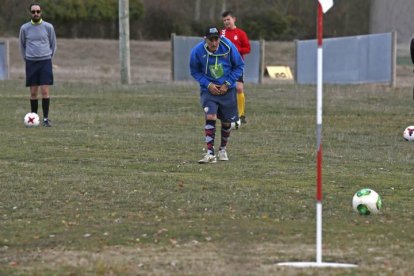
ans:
(157, 19)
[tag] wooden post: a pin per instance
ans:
(172, 57)
(393, 82)
(262, 60)
(124, 53)
(296, 60)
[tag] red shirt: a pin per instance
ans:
(239, 38)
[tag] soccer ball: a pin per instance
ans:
(366, 201)
(408, 133)
(31, 119)
(236, 125)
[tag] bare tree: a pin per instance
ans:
(197, 10)
(212, 13)
(223, 6)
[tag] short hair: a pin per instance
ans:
(34, 4)
(227, 13)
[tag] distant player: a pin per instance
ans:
(240, 39)
(38, 45)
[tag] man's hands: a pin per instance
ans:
(217, 90)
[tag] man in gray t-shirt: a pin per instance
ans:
(38, 45)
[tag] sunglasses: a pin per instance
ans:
(36, 11)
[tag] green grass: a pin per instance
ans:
(113, 188)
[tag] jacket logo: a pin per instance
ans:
(216, 71)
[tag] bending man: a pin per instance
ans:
(216, 64)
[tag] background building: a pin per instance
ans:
(395, 15)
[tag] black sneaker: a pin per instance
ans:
(46, 123)
(243, 119)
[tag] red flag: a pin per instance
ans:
(326, 5)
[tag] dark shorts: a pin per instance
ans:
(224, 106)
(241, 79)
(39, 72)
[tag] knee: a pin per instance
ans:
(211, 117)
(45, 92)
(226, 124)
(33, 92)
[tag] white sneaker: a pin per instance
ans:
(208, 158)
(222, 155)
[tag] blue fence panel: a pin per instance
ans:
(4, 61)
(347, 60)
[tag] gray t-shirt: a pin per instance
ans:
(37, 41)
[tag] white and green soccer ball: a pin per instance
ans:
(408, 133)
(366, 201)
(31, 119)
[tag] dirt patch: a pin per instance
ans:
(193, 258)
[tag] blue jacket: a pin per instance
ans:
(223, 66)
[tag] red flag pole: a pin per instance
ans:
(318, 262)
(319, 96)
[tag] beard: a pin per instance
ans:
(36, 19)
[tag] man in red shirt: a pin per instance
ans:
(240, 39)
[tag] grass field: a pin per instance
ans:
(113, 188)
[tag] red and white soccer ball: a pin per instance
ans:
(408, 133)
(31, 120)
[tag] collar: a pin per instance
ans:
(36, 23)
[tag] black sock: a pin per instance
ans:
(45, 107)
(33, 105)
